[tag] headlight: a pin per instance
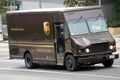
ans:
(87, 50)
(112, 47)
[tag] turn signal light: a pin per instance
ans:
(112, 47)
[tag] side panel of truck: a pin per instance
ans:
(26, 34)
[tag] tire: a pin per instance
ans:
(108, 63)
(70, 63)
(29, 61)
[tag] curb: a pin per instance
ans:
(3, 41)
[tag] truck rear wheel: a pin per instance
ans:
(70, 63)
(108, 63)
(29, 61)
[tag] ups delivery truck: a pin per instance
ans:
(62, 36)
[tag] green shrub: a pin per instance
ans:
(5, 37)
(114, 24)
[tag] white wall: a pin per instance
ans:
(35, 4)
(30, 4)
(51, 5)
(1, 35)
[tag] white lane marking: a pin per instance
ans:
(6, 59)
(62, 73)
(112, 65)
(24, 77)
(116, 66)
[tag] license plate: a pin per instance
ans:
(112, 56)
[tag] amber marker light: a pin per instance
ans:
(112, 47)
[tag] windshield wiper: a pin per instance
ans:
(98, 17)
(77, 20)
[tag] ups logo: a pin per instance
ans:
(46, 28)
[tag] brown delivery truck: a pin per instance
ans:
(62, 36)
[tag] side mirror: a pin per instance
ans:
(62, 26)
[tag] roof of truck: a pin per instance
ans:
(68, 9)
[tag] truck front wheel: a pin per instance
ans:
(70, 63)
(29, 61)
(108, 63)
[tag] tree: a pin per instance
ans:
(90, 2)
(70, 3)
(2, 9)
(118, 8)
(74, 3)
(2, 5)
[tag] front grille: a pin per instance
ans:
(101, 47)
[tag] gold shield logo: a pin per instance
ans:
(46, 28)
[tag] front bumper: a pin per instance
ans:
(98, 58)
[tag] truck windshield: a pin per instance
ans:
(77, 27)
(97, 24)
(82, 26)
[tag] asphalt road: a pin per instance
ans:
(16, 70)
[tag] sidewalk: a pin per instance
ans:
(117, 38)
(4, 50)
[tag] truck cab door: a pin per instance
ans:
(59, 42)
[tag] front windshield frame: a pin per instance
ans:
(74, 29)
(97, 24)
